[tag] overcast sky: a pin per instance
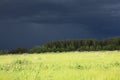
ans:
(26, 23)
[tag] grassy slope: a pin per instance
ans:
(67, 66)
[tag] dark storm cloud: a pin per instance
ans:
(60, 11)
(56, 11)
(37, 34)
(31, 22)
(87, 12)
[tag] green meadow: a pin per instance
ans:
(99, 65)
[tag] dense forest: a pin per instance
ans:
(71, 45)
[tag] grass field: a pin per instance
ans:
(103, 65)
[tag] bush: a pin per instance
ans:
(4, 52)
(18, 51)
(36, 49)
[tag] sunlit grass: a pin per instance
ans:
(103, 65)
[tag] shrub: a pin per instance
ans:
(18, 51)
(4, 52)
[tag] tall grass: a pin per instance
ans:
(103, 65)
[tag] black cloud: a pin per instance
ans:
(31, 22)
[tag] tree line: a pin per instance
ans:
(71, 45)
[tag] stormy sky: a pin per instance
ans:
(26, 23)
